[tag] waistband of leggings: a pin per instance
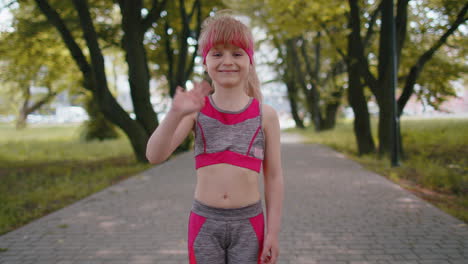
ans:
(241, 213)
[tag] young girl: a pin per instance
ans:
(235, 134)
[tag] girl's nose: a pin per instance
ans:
(227, 59)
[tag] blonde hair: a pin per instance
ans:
(225, 29)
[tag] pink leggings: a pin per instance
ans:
(225, 236)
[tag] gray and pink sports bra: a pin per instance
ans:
(234, 138)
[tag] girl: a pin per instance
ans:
(235, 134)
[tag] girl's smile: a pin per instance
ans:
(227, 65)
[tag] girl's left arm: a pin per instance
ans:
(273, 179)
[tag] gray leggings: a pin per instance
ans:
(225, 236)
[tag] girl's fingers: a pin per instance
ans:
(179, 89)
(269, 254)
(196, 89)
(266, 255)
(201, 89)
(196, 86)
(274, 254)
(273, 258)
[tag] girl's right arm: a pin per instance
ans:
(177, 124)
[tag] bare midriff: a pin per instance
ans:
(227, 186)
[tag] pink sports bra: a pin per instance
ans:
(230, 137)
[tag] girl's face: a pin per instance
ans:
(228, 65)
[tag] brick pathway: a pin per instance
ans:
(334, 212)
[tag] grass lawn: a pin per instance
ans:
(43, 169)
(436, 159)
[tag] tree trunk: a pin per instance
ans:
(97, 127)
(27, 109)
(292, 97)
(108, 105)
(95, 78)
(331, 110)
(289, 79)
(312, 100)
(313, 95)
(318, 120)
(180, 66)
(136, 58)
(21, 119)
(356, 98)
(386, 101)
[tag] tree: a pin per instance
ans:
(172, 46)
(137, 20)
(134, 26)
(356, 96)
(296, 29)
(31, 58)
(378, 85)
(97, 127)
(289, 77)
(451, 64)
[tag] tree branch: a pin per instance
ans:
(401, 22)
(332, 40)
(170, 58)
(364, 64)
(183, 45)
(308, 65)
(195, 4)
(197, 34)
(371, 24)
(338, 68)
(292, 51)
(41, 102)
(54, 18)
(8, 5)
(154, 14)
(425, 57)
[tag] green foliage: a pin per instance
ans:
(448, 63)
(46, 168)
(303, 27)
(159, 38)
(31, 56)
(97, 127)
(427, 21)
(294, 18)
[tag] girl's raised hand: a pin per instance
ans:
(187, 102)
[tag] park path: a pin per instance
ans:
(334, 212)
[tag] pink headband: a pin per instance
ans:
(247, 50)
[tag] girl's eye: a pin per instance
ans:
(237, 54)
(217, 54)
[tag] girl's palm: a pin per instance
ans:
(191, 101)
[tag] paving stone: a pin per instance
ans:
(335, 211)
